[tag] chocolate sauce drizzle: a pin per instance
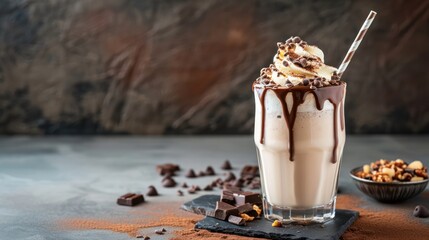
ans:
(333, 94)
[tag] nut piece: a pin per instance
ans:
(415, 165)
(257, 209)
(246, 217)
(276, 223)
(388, 171)
(416, 179)
(366, 168)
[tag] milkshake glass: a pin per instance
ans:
(299, 134)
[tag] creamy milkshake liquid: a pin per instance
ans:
(299, 134)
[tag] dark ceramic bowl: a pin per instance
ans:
(388, 192)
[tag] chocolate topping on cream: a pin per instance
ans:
(299, 70)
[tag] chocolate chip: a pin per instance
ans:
(230, 177)
(305, 82)
(196, 187)
(208, 188)
(226, 165)
(184, 185)
(159, 232)
(152, 191)
(250, 170)
(239, 183)
(296, 39)
(201, 174)
(191, 191)
(169, 182)
(130, 199)
(285, 63)
(167, 168)
(210, 171)
(191, 174)
(179, 193)
(421, 211)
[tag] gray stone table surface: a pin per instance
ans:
(43, 179)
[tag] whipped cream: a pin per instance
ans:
(298, 63)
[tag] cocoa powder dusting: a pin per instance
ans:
(372, 224)
(385, 224)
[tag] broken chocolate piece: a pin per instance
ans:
(224, 210)
(130, 199)
(227, 197)
(247, 197)
(169, 182)
(226, 165)
(210, 171)
(152, 191)
(191, 174)
(230, 177)
(421, 211)
(163, 169)
(236, 220)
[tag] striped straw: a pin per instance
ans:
(356, 43)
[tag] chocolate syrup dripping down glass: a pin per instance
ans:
(333, 94)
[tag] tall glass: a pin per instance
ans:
(299, 137)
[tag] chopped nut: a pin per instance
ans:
(276, 223)
(257, 209)
(416, 179)
(415, 165)
(366, 168)
(246, 217)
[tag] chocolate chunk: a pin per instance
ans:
(152, 191)
(247, 197)
(421, 211)
(179, 193)
(169, 182)
(208, 188)
(226, 165)
(184, 185)
(227, 197)
(201, 174)
(230, 177)
(130, 199)
(167, 168)
(191, 174)
(224, 210)
(210, 171)
(236, 220)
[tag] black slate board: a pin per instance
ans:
(262, 228)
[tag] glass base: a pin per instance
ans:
(287, 215)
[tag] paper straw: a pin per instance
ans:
(356, 43)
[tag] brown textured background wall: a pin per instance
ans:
(158, 66)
